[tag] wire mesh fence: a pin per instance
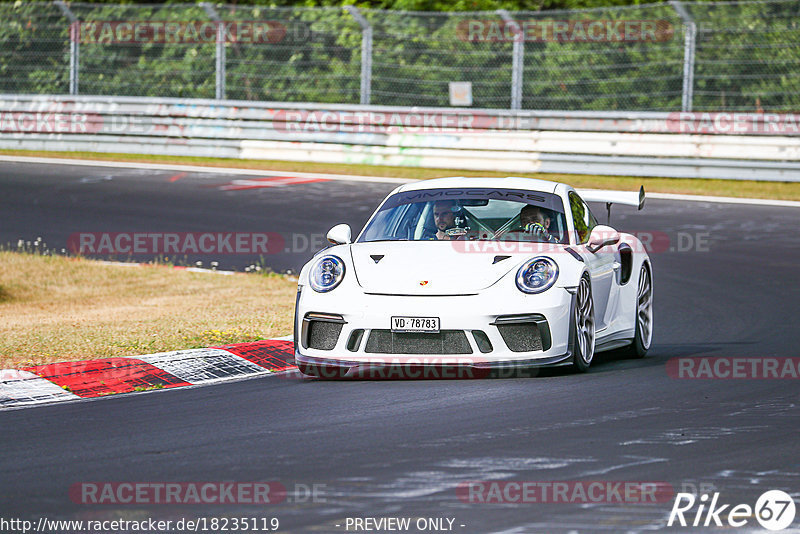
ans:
(742, 56)
(748, 55)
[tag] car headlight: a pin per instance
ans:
(537, 275)
(326, 273)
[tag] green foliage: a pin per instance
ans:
(34, 49)
(747, 58)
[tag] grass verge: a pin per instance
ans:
(728, 188)
(55, 309)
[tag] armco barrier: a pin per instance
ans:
(611, 143)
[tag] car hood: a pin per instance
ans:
(435, 267)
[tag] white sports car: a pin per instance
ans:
(479, 272)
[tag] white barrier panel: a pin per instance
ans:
(394, 156)
(453, 159)
(623, 144)
(416, 137)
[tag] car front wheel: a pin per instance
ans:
(583, 327)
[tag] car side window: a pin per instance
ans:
(582, 217)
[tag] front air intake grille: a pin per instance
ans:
(482, 341)
(323, 335)
(521, 337)
(445, 342)
(527, 332)
(355, 339)
(321, 330)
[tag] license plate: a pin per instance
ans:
(415, 324)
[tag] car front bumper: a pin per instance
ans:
(357, 330)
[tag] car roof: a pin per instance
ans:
(509, 182)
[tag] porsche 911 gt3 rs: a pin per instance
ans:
(483, 272)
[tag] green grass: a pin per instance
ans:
(729, 188)
(57, 308)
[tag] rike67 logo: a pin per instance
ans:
(774, 510)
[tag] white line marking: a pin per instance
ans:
(347, 178)
(640, 461)
(176, 267)
(200, 168)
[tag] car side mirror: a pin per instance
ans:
(339, 234)
(602, 236)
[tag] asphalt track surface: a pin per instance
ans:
(55, 203)
(379, 448)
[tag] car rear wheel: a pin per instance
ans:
(583, 327)
(643, 336)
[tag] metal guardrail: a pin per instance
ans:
(607, 143)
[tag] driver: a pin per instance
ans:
(444, 217)
(535, 220)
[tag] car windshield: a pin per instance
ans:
(469, 214)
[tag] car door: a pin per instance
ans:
(601, 264)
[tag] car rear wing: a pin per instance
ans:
(614, 197)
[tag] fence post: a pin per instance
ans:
(517, 59)
(690, 41)
(220, 55)
(366, 53)
(74, 46)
